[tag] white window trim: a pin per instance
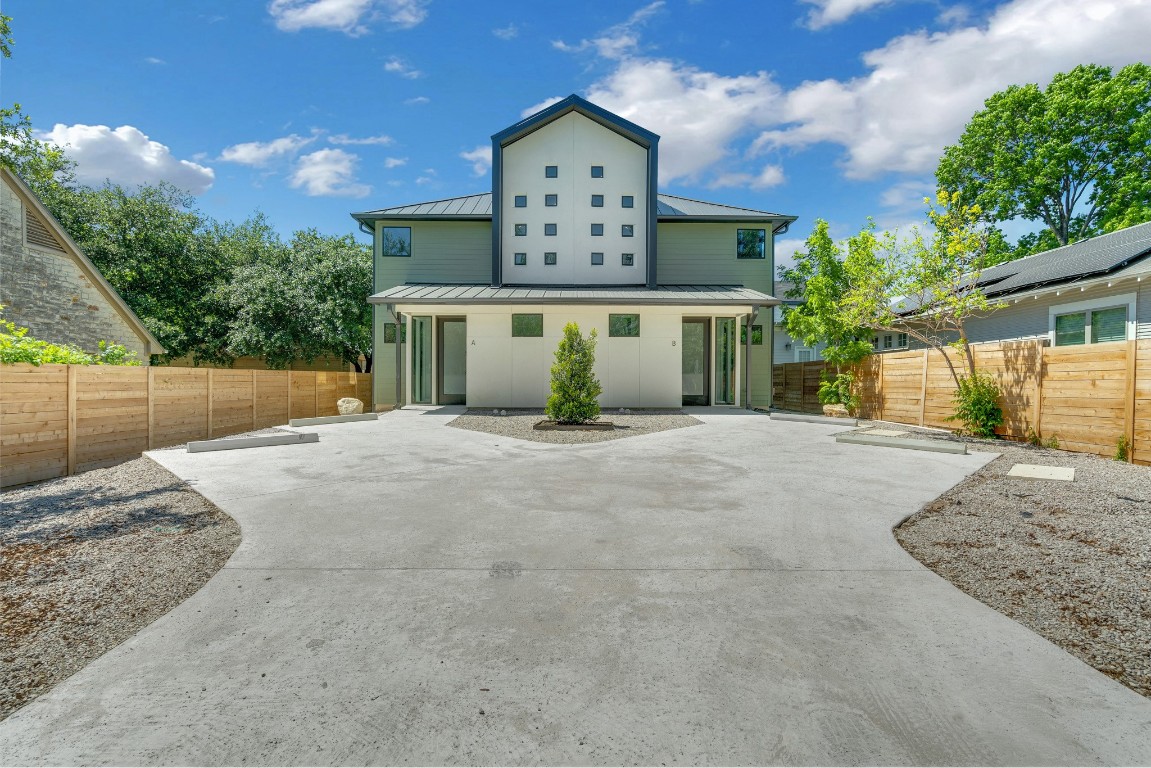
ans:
(1103, 302)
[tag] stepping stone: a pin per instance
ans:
(885, 432)
(1043, 472)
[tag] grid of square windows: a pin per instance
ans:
(597, 201)
(521, 230)
(597, 259)
(597, 230)
(551, 201)
(627, 201)
(521, 259)
(627, 230)
(550, 258)
(551, 171)
(550, 230)
(521, 201)
(627, 259)
(597, 171)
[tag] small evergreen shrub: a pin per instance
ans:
(839, 389)
(977, 405)
(575, 389)
(1122, 449)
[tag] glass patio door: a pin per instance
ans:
(726, 340)
(421, 360)
(453, 360)
(693, 350)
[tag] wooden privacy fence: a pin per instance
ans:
(1086, 397)
(56, 420)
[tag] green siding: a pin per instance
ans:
(442, 252)
(704, 254)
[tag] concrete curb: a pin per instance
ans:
(934, 446)
(333, 419)
(259, 441)
(812, 418)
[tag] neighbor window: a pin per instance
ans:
(902, 341)
(396, 241)
(749, 243)
(550, 230)
(597, 201)
(627, 259)
(597, 259)
(521, 230)
(756, 334)
(552, 171)
(623, 325)
(521, 259)
(521, 201)
(1095, 326)
(627, 230)
(887, 343)
(597, 171)
(597, 229)
(527, 325)
(551, 201)
(550, 258)
(390, 333)
(627, 201)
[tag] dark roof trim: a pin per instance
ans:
(573, 103)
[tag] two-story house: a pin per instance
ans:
(472, 293)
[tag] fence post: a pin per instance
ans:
(288, 376)
(71, 419)
(316, 393)
(1037, 418)
(253, 399)
(151, 407)
(879, 390)
(1129, 400)
(209, 404)
(923, 387)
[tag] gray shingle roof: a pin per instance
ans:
(668, 207)
(457, 293)
(1097, 256)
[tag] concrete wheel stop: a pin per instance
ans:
(913, 444)
(812, 418)
(255, 441)
(313, 422)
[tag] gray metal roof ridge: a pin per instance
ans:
(671, 294)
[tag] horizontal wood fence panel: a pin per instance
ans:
(60, 419)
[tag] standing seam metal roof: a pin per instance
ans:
(446, 293)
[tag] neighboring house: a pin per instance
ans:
(477, 289)
(1093, 291)
(49, 286)
(785, 349)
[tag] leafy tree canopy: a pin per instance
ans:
(1075, 156)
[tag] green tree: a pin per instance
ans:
(304, 300)
(1075, 156)
(575, 389)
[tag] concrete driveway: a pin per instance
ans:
(729, 593)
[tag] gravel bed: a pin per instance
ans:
(1069, 560)
(87, 561)
(519, 422)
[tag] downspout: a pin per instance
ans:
(747, 359)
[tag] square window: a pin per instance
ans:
(627, 201)
(597, 259)
(521, 259)
(549, 230)
(1071, 329)
(627, 259)
(396, 241)
(623, 325)
(756, 334)
(551, 171)
(521, 201)
(749, 243)
(521, 230)
(551, 201)
(550, 258)
(627, 230)
(390, 333)
(527, 325)
(597, 171)
(597, 229)
(597, 201)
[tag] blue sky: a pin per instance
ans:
(309, 109)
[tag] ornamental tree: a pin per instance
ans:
(575, 389)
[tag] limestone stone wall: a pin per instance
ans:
(44, 288)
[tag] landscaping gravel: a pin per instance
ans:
(86, 561)
(1069, 560)
(519, 423)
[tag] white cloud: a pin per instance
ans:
(618, 41)
(785, 249)
(769, 176)
(395, 162)
(923, 88)
(344, 139)
(398, 66)
(417, 100)
(351, 17)
(510, 32)
(154, 60)
(125, 155)
(328, 173)
(258, 153)
(828, 12)
(541, 106)
(480, 158)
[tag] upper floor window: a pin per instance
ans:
(550, 258)
(597, 201)
(550, 230)
(627, 259)
(597, 229)
(390, 333)
(521, 259)
(521, 230)
(597, 259)
(597, 171)
(627, 230)
(551, 201)
(627, 201)
(396, 241)
(749, 243)
(551, 171)
(623, 325)
(521, 201)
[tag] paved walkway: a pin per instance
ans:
(724, 594)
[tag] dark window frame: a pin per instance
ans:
(520, 259)
(383, 238)
(627, 201)
(627, 230)
(551, 200)
(597, 201)
(551, 171)
(596, 259)
(597, 171)
(551, 230)
(520, 230)
(739, 253)
(534, 333)
(594, 233)
(550, 258)
(521, 201)
(614, 326)
(627, 259)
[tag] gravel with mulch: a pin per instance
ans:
(1069, 560)
(87, 561)
(519, 423)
